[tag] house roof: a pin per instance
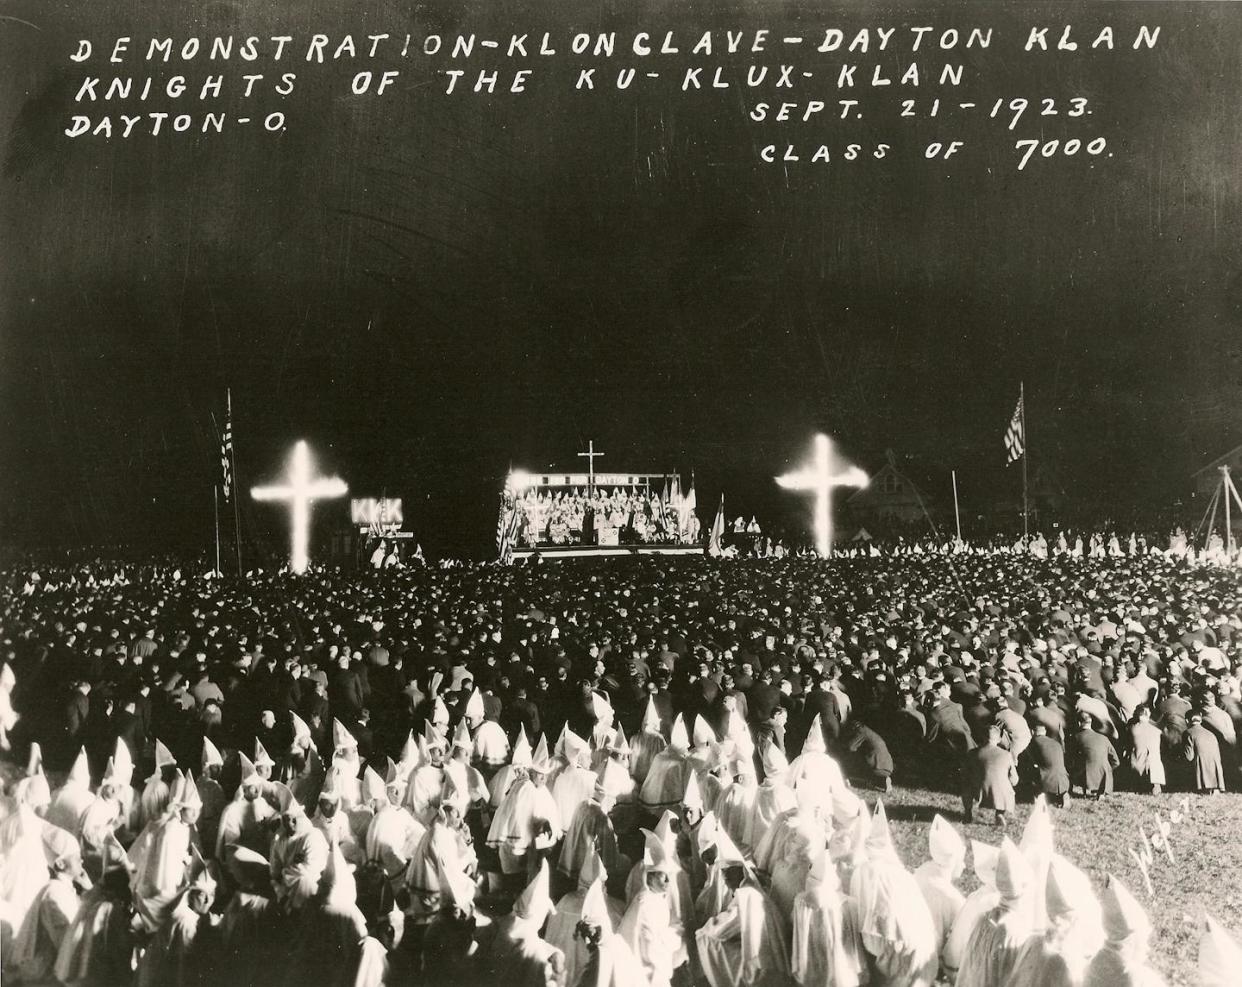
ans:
(1219, 461)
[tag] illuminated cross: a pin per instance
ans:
(301, 490)
(590, 456)
(820, 478)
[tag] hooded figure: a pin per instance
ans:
(426, 782)
(936, 877)
(155, 795)
(442, 869)
(609, 961)
(978, 903)
(1001, 934)
(244, 821)
(299, 856)
(1220, 957)
(1073, 934)
(669, 772)
(329, 930)
(646, 926)
(490, 746)
(519, 763)
(393, 834)
(591, 831)
(735, 806)
(518, 957)
(661, 844)
(574, 784)
(38, 940)
(825, 950)
(647, 744)
(894, 921)
(747, 942)
(174, 955)
(816, 768)
(161, 856)
(1122, 961)
(209, 790)
(98, 945)
(527, 820)
(563, 926)
(73, 798)
(775, 794)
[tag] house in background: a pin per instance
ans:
(891, 496)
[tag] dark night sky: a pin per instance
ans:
(429, 288)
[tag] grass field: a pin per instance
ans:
(1097, 836)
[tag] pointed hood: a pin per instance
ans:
(679, 740)
(301, 732)
(440, 713)
(391, 775)
(704, 735)
(945, 844)
(693, 798)
(595, 907)
(814, 743)
(247, 772)
(342, 739)
(651, 717)
(433, 739)
(541, 750)
(200, 875)
(1036, 840)
(601, 708)
(1013, 873)
(1123, 915)
(655, 853)
(986, 859)
(534, 904)
(879, 838)
(474, 707)
(337, 883)
(619, 745)
(575, 750)
(592, 867)
(664, 829)
(373, 786)
(411, 753)
(521, 757)
(163, 757)
(190, 796)
(462, 740)
(261, 756)
(1220, 957)
(211, 755)
(80, 773)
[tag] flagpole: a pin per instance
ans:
(1026, 452)
(956, 514)
(236, 485)
(215, 500)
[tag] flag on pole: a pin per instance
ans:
(226, 449)
(1015, 435)
(715, 544)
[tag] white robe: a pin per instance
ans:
(522, 813)
(735, 814)
(665, 783)
(160, 857)
(297, 864)
(646, 930)
(422, 795)
(612, 965)
(391, 840)
(977, 904)
(895, 923)
(562, 928)
(746, 944)
(572, 787)
(37, 942)
(993, 947)
(944, 901)
(491, 746)
(826, 951)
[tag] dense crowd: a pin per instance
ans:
(648, 772)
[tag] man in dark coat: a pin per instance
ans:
(988, 777)
(1202, 750)
(1042, 767)
(946, 726)
(867, 755)
(1092, 758)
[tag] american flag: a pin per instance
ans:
(1015, 435)
(226, 449)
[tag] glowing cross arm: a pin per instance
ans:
(820, 479)
(300, 491)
